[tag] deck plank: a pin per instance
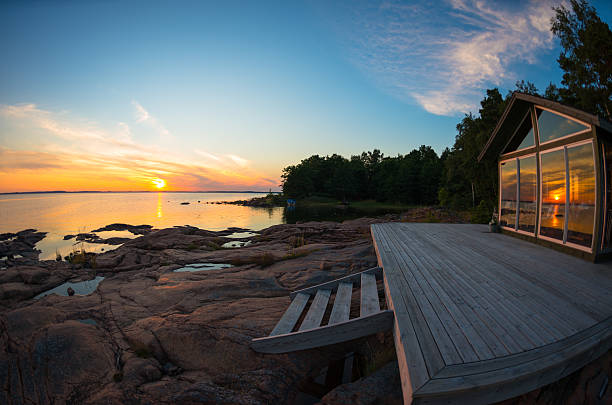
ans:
(475, 312)
(525, 337)
(422, 293)
(476, 317)
(411, 364)
(342, 304)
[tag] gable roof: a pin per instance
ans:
(517, 108)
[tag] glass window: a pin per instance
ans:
(524, 136)
(607, 236)
(527, 194)
(528, 141)
(552, 217)
(581, 214)
(508, 194)
(552, 126)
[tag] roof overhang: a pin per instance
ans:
(516, 109)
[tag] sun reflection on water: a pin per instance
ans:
(159, 206)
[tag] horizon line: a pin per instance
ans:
(137, 191)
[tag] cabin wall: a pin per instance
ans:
(569, 145)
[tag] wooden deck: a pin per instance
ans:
(482, 317)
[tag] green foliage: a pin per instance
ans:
(81, 257)
(586, 58)
(464, 179)
(410, 179)
(482, 213)
(456, 179)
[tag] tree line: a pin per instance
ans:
(455, 178)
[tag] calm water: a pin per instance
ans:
(69, 214)
(63, 214)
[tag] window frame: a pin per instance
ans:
(528, 115)
(564, 241)
(536, 107)
(499, 171)
(518, 193)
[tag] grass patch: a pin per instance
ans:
(366, 205)
(294, 255)
(297, 241)
(264, 260)
(81, 257)
(141, 350)
(214, 245)
(371, 360)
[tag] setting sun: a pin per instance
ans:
(556, 197)
(159, 183)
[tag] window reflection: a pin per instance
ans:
(581, 215)
(527, 194)
(524, 137)
(508, 194)
(552, 126)
(552, 217)
(528, 141)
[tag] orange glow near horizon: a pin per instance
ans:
(38, 171)
(87, 157)
(159, 183)
(556, 198)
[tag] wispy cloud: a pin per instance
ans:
(80, 155)
(442, 57)
(143, 116)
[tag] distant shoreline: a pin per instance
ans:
(150, 191)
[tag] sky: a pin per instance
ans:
(117, 96)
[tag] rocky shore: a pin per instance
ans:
(161, 329)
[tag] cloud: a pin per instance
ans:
(238, 160)
(80, 155)
(143, 116)
(443, 56)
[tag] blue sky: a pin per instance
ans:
(222, 95)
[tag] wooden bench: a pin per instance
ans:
(340, 328)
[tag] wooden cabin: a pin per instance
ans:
(555, 175)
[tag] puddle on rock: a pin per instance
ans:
(240, 235)
(236, 244)
(80, 288)
(202, 267)
(88, 321)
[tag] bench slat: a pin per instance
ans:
(317, 310)
(342, 304)
(333, 284)
(369, 295)
(291, 315)
(325, 335)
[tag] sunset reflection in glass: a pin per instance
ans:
(552, 216)
(508, 194)
(527, 194)
(581, 214)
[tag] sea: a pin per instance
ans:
(61, 214)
